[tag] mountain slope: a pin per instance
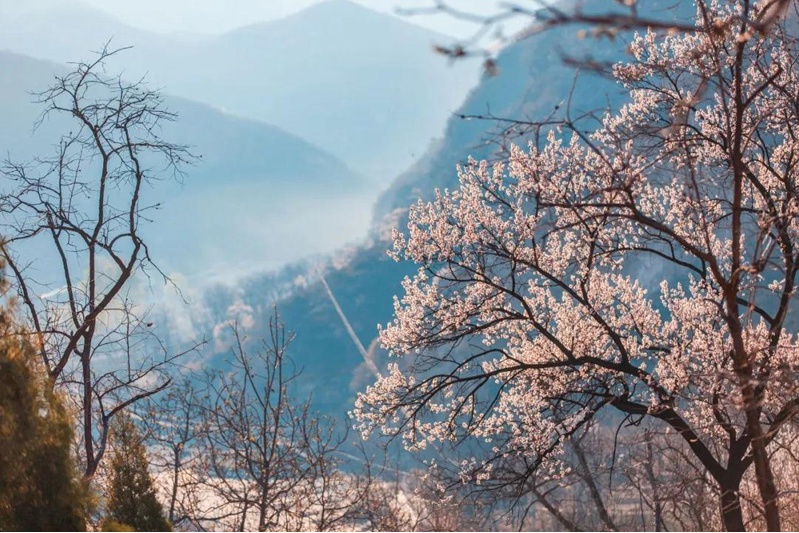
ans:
(533, 84)
(69, 30)
(250, 174)
(533, 81)
(362, 85)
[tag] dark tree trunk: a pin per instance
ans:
(731, 513)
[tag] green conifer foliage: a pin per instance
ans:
(132, 501)
(40, 488)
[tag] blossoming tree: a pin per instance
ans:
(532, 310)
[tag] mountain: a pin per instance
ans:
(68, 30)
(362, 85)
(228, 214)
(533, 84)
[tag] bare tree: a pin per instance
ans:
(273, 463)
(385, 506)
(73, 243)
(419, 499)
(173, 427)
(329, 497)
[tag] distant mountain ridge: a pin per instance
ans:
(68, 30)
(248, 163)
(363, 85)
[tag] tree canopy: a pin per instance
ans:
(537, 304)
(40, 488)
(132, 499)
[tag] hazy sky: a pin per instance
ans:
(218, 16)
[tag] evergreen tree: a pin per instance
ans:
(40, 488)
(132, 501)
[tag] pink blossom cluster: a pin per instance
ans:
(648, 266)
